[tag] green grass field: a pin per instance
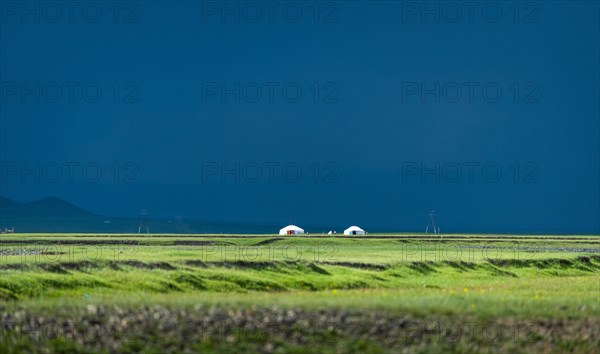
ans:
(269, 293)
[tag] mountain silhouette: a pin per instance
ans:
(49, 207)
(56, 215)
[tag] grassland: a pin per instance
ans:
(268, 293)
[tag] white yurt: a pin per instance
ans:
(291, 230)
(354, 230)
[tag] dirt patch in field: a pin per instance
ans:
(195, 243)
(587, 260)
(269, 241)
(14, 266)
(273, 266)
(65, 267)
(532, 250)
(585, 263)
(368, 266)
(143, 265)
(28, 252)
(195, 263)
(245, 264)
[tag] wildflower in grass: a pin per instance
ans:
(466, 290)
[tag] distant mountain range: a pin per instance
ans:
(48, 207)
(54, 214)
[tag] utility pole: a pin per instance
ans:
(143, 224)
(436, 230)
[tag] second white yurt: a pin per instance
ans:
(354, 230)
(291, 230)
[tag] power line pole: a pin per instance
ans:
(143, 224)
(436, 230)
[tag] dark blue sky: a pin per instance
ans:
(360, 97)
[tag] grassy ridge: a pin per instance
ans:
(514, 289)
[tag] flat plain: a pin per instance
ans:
(271, 293)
